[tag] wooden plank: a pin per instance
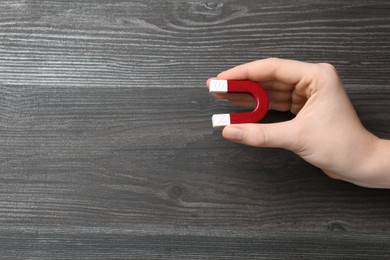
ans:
(181, 43)
(113, 160)
(98, 244)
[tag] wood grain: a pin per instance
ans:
(143, 43)
(106, 145)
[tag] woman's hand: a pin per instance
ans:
(326, 131)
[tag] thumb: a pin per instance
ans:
(279, 135)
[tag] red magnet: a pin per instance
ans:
(240, 86)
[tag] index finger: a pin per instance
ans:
(271, 69)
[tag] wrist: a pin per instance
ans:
(379, 163)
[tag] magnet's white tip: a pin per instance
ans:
(220, 120)
(218, 86)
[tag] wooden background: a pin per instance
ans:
(106, 145)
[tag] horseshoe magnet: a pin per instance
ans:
(240, 86)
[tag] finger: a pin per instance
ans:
(272, 69)
(276, 85)
(297, 103)
(262, 135)
(295, 108)
(280, 106)
(279, 96)
(298, 99)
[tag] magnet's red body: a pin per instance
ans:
(241, 86)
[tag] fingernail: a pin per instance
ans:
(234, 134)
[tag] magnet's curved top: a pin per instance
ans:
(240, 86)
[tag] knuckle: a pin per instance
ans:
(273, 59)
(259, 136)
(264, 140)
(327, 68)
(283, 107)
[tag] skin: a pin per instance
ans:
(326, 130)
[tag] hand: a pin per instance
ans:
(326, 131)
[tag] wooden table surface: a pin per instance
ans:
(106, 145)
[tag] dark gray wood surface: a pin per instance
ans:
(106, 145)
